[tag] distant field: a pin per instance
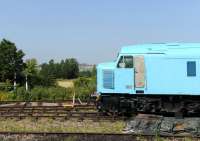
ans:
(66, 83)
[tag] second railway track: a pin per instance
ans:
(99, 136)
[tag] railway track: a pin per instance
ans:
(63, 106)
(65, 115)
(43, 103)
(61, 109)
(48, 101)
(101, 136)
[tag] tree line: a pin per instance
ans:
(14, 68)
(38, 82)
(65, 69)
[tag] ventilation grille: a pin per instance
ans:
(108, 79)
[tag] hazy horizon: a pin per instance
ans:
(94, 31)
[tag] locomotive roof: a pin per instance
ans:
(162, 48)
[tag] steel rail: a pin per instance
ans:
(44, 101)
(59, 114)
(65, 134)
(46, 107)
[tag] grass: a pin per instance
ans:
(59, 125)
(66, 83)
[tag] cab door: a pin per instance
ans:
(124, 80)
(139, 73)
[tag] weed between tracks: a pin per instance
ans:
(60, 125)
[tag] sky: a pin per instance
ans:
(93, 31)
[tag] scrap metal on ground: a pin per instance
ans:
(160, 125)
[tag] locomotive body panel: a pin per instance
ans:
(169, 76)
(157, 69)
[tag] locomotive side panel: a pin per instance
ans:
(174, 76)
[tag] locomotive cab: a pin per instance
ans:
(124, 76)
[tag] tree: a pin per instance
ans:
(52, 68)
(72, 68)
(62, 69)
(67, 69)
(45, 77)
(94, 71)
(31, 67)
(30, 70)
(11, 62)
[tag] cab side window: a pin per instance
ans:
(125, 62)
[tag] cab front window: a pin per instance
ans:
(125, 62)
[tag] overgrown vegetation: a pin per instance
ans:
(26, 80)
(84, 87)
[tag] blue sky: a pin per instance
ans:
(93, 31)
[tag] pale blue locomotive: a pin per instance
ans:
(153, 78)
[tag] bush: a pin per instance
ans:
(51, 93)
(6, 86)
(38, 94)
(21, 94)
(6, 96)
(86, 73)
(84, 87)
